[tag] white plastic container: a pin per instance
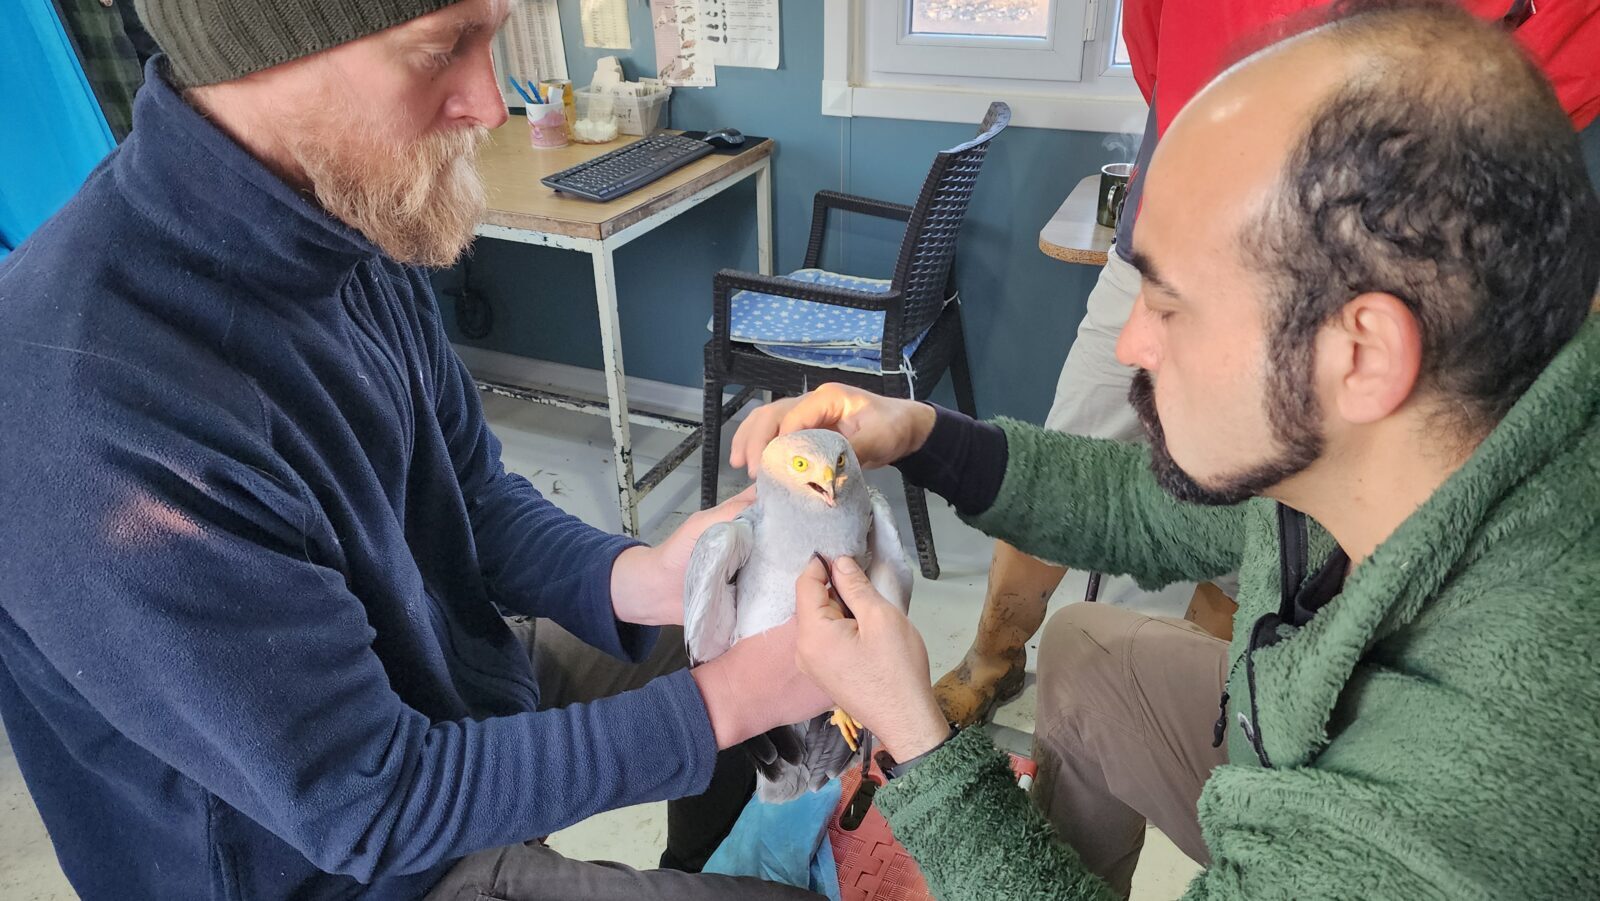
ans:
(640, 107)
(597, 117)
(644, 111)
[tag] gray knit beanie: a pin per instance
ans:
(207, 41)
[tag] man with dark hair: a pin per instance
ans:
(1175, 47)
(256, 536)
(1368, 374)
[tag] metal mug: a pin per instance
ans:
(1113, 191)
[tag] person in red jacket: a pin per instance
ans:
(1175, 48)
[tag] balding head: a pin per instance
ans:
(1405, 151)
(1443, 172)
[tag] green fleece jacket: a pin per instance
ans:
(1433, 732)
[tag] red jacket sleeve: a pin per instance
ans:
(1563, 38)
(1141, 31)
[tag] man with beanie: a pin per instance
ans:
(257, 537)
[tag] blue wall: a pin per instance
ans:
(1022, 308)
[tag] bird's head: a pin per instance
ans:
(813, 464)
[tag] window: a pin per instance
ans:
(1059, 63)
(982, 18)
(984, 39)
(1119, 54)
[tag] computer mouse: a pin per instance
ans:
(724, 137)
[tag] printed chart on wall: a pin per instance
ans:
(741, 32)
(529, 46)
(605, 24)
(693, 37)
(680, 58)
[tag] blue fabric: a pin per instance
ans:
(858, 359)
(254, 528)
(758, 318)
(54, 132)
(786, 843)
(815, 334)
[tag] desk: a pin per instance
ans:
(1072, 234)
(523, 210)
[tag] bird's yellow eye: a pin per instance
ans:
(799, 464)
(839, 465)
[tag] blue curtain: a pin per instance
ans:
(51, 129)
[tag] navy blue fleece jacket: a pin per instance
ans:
(253, 530)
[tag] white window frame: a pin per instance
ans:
(1105, 99)
(895, 50)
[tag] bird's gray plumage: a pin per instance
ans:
(810, 498)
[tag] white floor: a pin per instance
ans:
(567, 456)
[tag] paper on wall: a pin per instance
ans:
(741, 32)
(605, 24)
(682, 58)
(529, 46)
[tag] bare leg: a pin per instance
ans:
(1019, 589)
(1212, 610)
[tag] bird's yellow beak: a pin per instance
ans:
(826, 488)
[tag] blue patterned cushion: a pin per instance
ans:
(756, 318)
(815, 334)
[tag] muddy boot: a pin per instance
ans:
(1013, 609)
(969, 693)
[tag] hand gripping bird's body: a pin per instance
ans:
(811, 498)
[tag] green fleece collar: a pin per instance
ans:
(1299, 680)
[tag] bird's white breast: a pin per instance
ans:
(766, 582)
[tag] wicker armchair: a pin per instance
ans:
(910, 329)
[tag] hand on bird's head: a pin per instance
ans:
(880, 429)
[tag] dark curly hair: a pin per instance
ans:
(1447, 175)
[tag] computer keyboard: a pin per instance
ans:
(614, 174)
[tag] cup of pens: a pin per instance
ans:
(547, 121)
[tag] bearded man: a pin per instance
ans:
(1367, 360)
(258, 537)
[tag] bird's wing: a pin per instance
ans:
(709, 596)
(889, 571)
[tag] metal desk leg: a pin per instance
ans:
(764, 218)
(764, 231)
(605, 295)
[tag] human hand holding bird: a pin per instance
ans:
(863, 651)
(880, 429)
(647, 582)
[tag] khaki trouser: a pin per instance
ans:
(571, 672)
(1123, 733)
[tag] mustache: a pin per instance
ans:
(418, 169)
(1169, 475)
(1142, 397)
(418, 201)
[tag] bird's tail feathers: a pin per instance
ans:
(792, 760)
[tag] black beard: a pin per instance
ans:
(1292, 412)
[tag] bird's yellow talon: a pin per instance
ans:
(849, 727)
